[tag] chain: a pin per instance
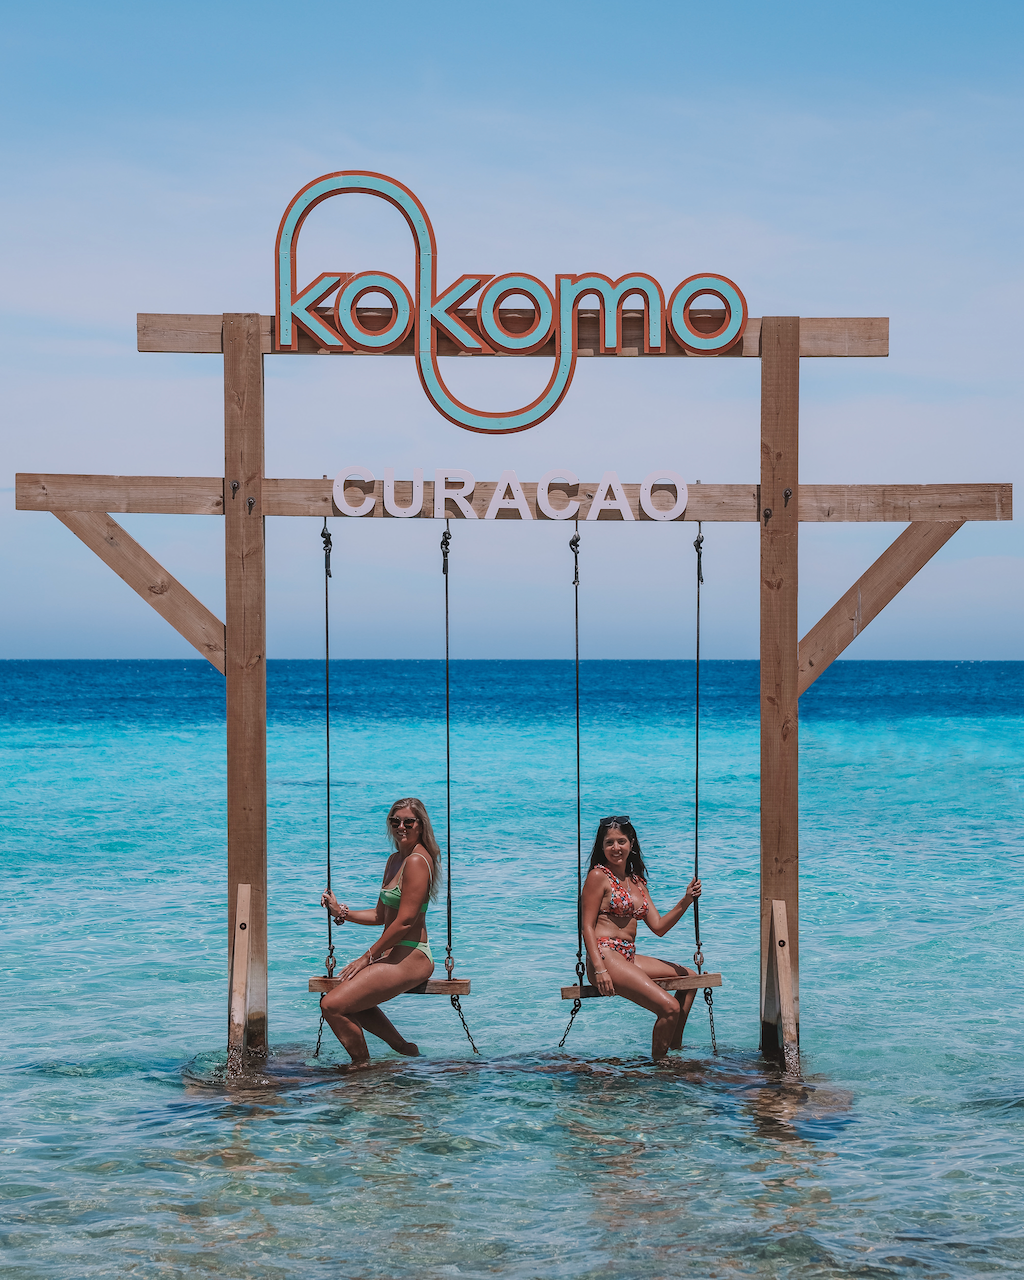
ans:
(457, 1006)
(577, 1004)
(711, 1018)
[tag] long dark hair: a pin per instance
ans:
(634, 859)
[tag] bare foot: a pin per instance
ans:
(409, 1049)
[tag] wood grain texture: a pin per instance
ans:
(780, 1029)
(203, 495)
(443, 987)
(832, 503)
(780, 513)
(151, 495)
(696, 983)
(149, 579)
(869, 595)
(819, 336)
(245, 657)
(239, 984)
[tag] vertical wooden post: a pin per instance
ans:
(245, 652)
(779, 511)
(239, 984)
(779, 1011)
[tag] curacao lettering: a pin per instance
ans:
(425, 312)
(454, 496)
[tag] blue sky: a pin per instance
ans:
(862, 160)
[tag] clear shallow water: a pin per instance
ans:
(125, 1152)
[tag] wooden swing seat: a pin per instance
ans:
(690, 982)
(455, 987)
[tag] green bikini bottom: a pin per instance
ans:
(420, 946)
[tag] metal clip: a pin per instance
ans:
(234, 488)
(767, 514)
(252, 503)
(574, 547)
(787, 494)
(446, 539)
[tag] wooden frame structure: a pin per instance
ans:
(244, 496)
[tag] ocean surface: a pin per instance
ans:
(126, 1151)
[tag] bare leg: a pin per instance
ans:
(668, 969)
(631, 981)
(345, 1007)
(350, 1033)
(378, 1024)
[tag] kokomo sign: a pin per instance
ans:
(426, 312)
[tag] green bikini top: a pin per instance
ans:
(392, 897)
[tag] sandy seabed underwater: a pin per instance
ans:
(126, 1151)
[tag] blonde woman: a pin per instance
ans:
(400, 958)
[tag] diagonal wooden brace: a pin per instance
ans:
(175, 603)
(869, 595)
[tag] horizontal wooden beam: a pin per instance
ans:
(868, 596)
(443, 987)
(819, 336)
(175, 603)
(692, 982)
(821, 503)
(149, 495)
(315, 498)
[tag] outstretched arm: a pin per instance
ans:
(660, 924)
(342, 913)
(593, 895)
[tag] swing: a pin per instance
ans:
(693, 982)
(452, 987)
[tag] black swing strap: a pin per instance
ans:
(581, 968)
(330, 962)
(698, 954)
(449, 962)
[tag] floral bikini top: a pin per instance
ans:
(622, 903)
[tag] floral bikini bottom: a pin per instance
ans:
(626, 947)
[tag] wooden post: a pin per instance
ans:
(245, 652)
(239, 963)
(779, 515)
(779, 1012)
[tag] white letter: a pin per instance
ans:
(367, 504)
(647, 502)
(458, 496)
(544, 502)
(517, 502)
(617, 502)
(391, 506)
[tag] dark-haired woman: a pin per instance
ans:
(614, 899)
(400, 958)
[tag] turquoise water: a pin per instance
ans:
(125, 1151)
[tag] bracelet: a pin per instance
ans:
(370, 958)
(597, 971)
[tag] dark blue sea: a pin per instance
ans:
(127, 1151)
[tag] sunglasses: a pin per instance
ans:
(616, 820)
(403, 822)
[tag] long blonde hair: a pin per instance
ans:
(427, 837)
